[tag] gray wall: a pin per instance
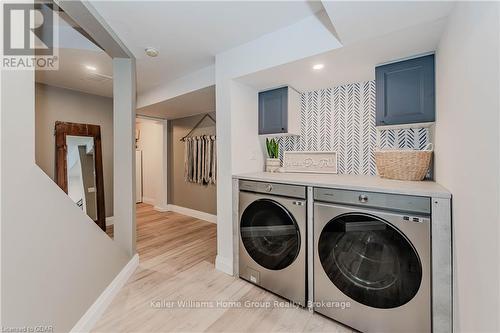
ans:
(52, 104)
(181, 193)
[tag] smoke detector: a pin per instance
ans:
(151, 51)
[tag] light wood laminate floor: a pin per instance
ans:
(176, 268)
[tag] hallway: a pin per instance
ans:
(176, 269)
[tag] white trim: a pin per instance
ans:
(90, 318)
(141, 116)
(223, 264)
(406, 58)
(442, 265)
(189, 212)
(149, 201)
(404, 126)
(310, 247)
(110, 220)
(160, 208)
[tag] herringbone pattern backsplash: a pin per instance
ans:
(342, 119)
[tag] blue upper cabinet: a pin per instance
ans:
(279, 112)
(405, 92)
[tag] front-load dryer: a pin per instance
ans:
(272, 242)
(372, 266)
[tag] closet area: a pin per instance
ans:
(176, 164)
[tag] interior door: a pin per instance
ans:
(138, 176)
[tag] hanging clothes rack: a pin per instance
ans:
(198, 124)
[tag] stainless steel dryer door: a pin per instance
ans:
(377, 259)
(272, 243)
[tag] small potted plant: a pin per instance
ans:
(273, 162)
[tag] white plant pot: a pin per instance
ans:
(272, 164)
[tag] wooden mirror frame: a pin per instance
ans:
(62, 129)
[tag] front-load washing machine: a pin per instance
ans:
(272, 242)
(372, 268)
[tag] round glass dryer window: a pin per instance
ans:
(270, 234)
(370, 261)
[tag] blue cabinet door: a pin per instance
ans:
(273, 106)
(405, 92)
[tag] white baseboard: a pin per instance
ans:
(224, 265)
(90, 318)
(110, 220)
(189, 212)
(161, 208)
(149, 201)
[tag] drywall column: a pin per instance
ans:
(124, 94)
(224, 258)
(467, 158)
(163, 195)
(238, 146)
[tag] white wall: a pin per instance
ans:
(467, 158)
(55, 261)
(237, 135)
(246, 149)
(202, 78)
(151, 144)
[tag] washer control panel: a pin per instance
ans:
(385, 201)
(286, 190)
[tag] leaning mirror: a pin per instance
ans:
(79, 167)
(76, 99)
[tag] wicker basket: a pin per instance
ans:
(403, 164)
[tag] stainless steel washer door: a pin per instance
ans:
(369, 260)
(372, 268)
(270, 234)
(272, 241)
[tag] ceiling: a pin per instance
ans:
(188, 34)
(73, 74)
(354, 62)
(196, 102)
(358, 20)
(75, 52)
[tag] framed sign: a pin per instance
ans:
(310, 161)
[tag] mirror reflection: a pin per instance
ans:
(79, 167)
(81, 173)
(76, 101)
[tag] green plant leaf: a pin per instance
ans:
(272, 147)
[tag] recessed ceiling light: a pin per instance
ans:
(317, 67)
(91, 68)
(151, 51)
